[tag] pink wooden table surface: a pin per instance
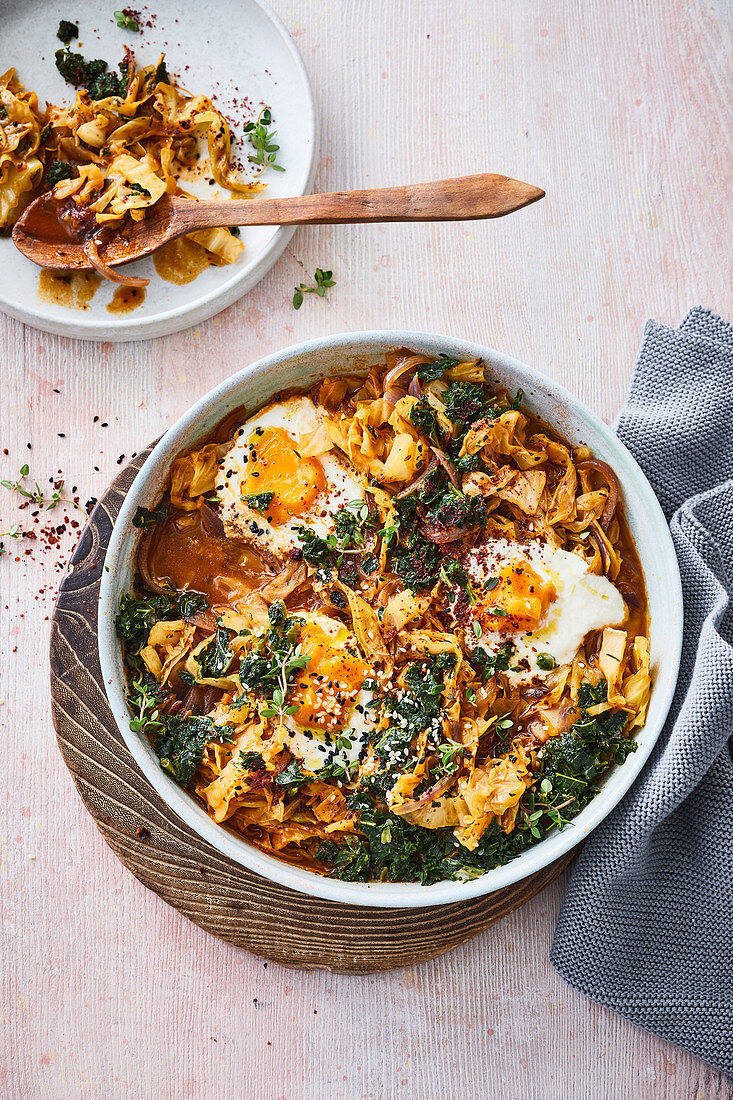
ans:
(621, 111)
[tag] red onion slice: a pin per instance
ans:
(613, 487)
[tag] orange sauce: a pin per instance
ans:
(184, 554)
(181, 261)
(72, 289)
(126, 298)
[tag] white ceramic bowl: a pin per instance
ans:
(301, 366)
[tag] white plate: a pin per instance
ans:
(229, 49)
(354, 352)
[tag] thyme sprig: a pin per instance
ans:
(36, 494)
(261, 137)
(324, 281)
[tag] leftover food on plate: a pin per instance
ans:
(394, 628)
(130, 136)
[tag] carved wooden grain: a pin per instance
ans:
(216, 893)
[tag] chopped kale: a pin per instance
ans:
(93, 75)
(391, 849)
(189, 602)
(428, 372)
(259, 501)
(447, 507)
(161, 75)
(316, 550)
(464, 402)
(412, 711)
(416, 561)
(575, 761)
(274, 656)
(350, 861)
(487, 663)
(292, 777)
(76, 70)
(181, 743)
(215, 658)
(250, 761)
(67, 31)
(145, 518)
(353, 523)
(369, 564)
(424, 417)
(106, 85)
(136, 617)
(58, 170)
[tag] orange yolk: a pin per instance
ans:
(325, 690)
(523, 595)
(274, 466)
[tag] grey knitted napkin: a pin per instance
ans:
(647, 922)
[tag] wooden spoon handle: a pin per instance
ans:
(462, 199)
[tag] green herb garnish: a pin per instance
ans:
(67, 31)
(126, 21)
(259, 501)
(324, 280)
(261, 138)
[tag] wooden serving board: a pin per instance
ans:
(216, 893)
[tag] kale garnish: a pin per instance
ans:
(136, 617)
(353, 523)
(215, 658)
(413, 711)
(425, 419)
(58, 170)
(67, 31)
(93, 75)
(268, 668)
(259, 501)
(138, 614)
(575, 761)
(293, 777)
(190, 601)
(144, 518)
(76, 70)
(416, 561)
(250, 761)
(487, 663)
(316, 550)
(180, 744)
(428, 372)
(465, 402)
(107, 84)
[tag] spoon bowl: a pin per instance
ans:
(58, 235)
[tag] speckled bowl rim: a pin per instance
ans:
(299, 365)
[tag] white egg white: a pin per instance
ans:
(584, 602)
(299, 417)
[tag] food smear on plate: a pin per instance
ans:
(71, 289)
(126, 298)
(392, 629)
(131, 136)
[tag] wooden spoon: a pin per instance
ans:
(58, 235)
